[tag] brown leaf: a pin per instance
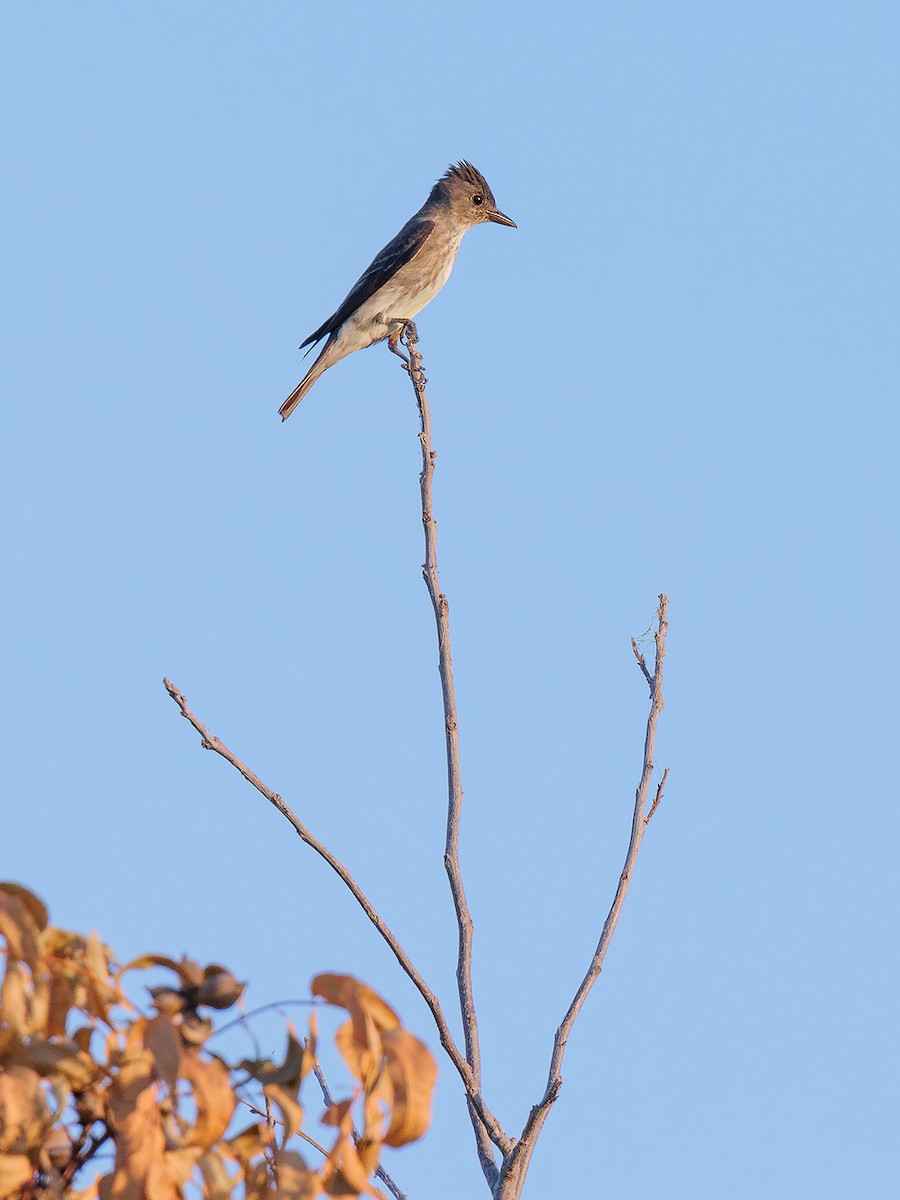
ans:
(343, 1173)
(161, 1038)
(288, 1073)
(360, 1047)
(23, 1110)
(168, 1000)
(58, 1058)
(195, 1029)
(88, 1193)
(34, 904)
(295, 1180)
(256, 1183)
(39, 1009)
(412, 1072)
(180, 1164)
(291, 1110)
(359, 1040)
(217, 1183)
(213, 1096)
(103, 993)
(19, 928)
(15, 1172)
(15, 995)
(348, 992)
(189, 972)
(62, 999)
(57, 1148)
(251, 1141)
(140, 1170)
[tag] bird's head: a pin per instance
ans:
(465, 190)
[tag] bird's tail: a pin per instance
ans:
(326, 359)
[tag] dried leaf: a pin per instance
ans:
(162, 1039)
(343, 1173)
(359, 1041)
(57, 1148)
(217, 1183)
(168, 1000)
(15, 995)
(62, 999)
(180, 1164)
(412, 1072)
(295, 1180)
(256, 1183)
(189, 972)
(20, 930)
(23, 1110)
(289, 1073)
(213, 1096)
(140, 1171)
(247, 1145)
(58, 1058)
(39, 1009)
(88, 1193)
(360, 1046)
(34, 904)
(195, 1030)
(102, 993)
(348, 992)
(291, 1110)
(15, 1172)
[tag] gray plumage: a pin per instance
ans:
(404, 276)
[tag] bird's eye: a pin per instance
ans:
(478, 199)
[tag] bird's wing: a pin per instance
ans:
(396, 254)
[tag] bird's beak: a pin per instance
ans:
(500, 218)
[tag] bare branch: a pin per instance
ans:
(473, 1092)
(440, 604)
(515, 1164)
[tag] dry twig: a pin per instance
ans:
(210, 742)
(440, 604)
(515, 1165)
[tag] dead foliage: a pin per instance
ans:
(100, 1100)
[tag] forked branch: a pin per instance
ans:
(505, 1182)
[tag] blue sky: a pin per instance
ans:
(679, 374)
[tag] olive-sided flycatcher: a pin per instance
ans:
(405, 275)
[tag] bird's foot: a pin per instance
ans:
(394, 346)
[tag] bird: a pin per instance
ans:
(404, 276)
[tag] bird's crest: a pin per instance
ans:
(465, 172)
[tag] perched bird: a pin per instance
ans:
(410, 270)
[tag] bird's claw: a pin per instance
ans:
(406, 335)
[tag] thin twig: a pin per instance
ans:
(641, 663)
(380, 1172)
(254, 1012)
(210, 742)
(413, 367)
(656, 799)
(83, 1151)
(329, 1101)
(515, 1164)
(305, 1136)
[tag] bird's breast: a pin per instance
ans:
(408, 291)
